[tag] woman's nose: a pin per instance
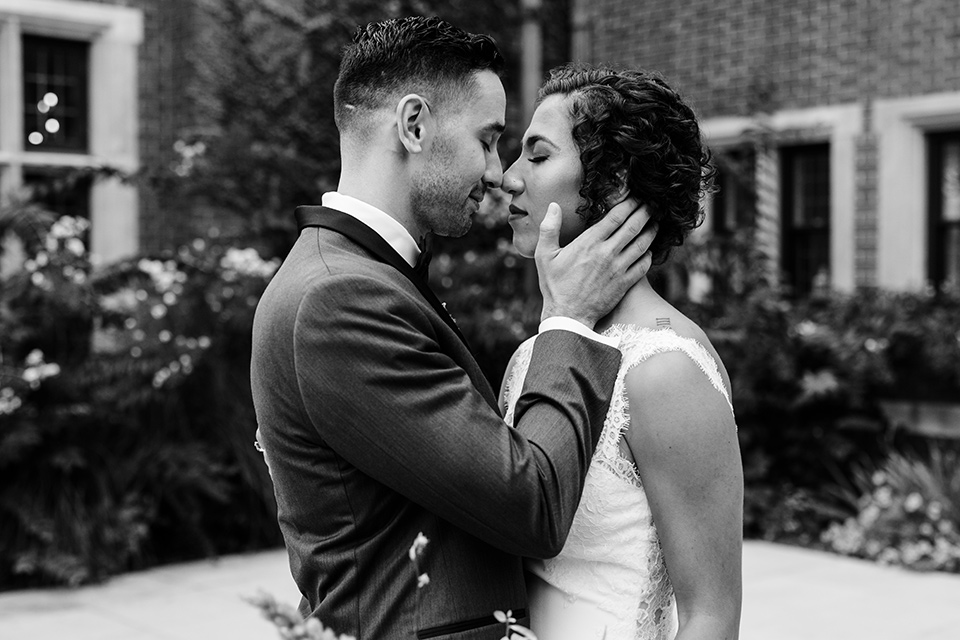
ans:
(512, 182)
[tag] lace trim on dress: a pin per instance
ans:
(515, 377)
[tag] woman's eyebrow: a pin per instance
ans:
(534, 139)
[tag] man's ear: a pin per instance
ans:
(414, 122)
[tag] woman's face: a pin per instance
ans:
(548, 170)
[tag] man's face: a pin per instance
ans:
(462, 160)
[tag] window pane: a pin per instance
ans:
(951, 274)
(811, 179)
(950, 182)
(806, 217)
(55, 77)
(65, 192)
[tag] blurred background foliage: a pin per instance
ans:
(127, 425)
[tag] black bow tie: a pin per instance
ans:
(422, 266)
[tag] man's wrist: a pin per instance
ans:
(556, 311)
(564, 323)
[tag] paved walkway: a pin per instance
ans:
(789, 594)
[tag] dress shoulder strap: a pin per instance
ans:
(640, 343)
(637, 344)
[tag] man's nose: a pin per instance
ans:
(493, 176)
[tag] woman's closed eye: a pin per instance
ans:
(536, 159)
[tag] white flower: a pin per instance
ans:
(121, 300)
(203, 342)
(883, 496)
(889, 556)
(34, 358)
(9, 402)
(247, 262)
(806, 328)
(419, 543)
(505, 618)
(75, 246)
(158, 311)
(422, 580)
(164, 336)
(934, 510)
(820, 383)
(913, 502)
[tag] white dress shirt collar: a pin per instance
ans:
(395, 234)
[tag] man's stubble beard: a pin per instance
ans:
(436, 206)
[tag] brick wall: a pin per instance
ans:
(741, 57)
(725, 55)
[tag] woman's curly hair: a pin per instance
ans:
(633, 130)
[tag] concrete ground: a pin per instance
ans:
(789, 594)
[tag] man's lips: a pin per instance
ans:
(517, 211)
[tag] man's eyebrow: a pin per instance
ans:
(493, 127)
(535, 138)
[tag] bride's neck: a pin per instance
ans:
(638, 298)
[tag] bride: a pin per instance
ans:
(655, 547)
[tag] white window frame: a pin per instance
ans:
(902, 198)
(838, 125)
(114, 34)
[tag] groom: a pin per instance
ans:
(374, 417)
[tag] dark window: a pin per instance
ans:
(944, 229)
(55, 78)
(805, 190)
(733, 204)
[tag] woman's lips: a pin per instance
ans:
(516, 212)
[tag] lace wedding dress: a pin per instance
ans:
(610, 580)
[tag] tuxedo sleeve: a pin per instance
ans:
(380, 391)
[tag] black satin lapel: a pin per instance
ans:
(347, 225)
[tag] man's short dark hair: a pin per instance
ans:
(395, 57)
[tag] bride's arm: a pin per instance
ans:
(684, 440)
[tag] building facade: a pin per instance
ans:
(94, 84)
(846, 113)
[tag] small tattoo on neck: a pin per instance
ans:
(663, 322)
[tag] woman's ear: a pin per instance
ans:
(622, 192)
(414, 122)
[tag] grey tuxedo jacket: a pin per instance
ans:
(378, 424)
